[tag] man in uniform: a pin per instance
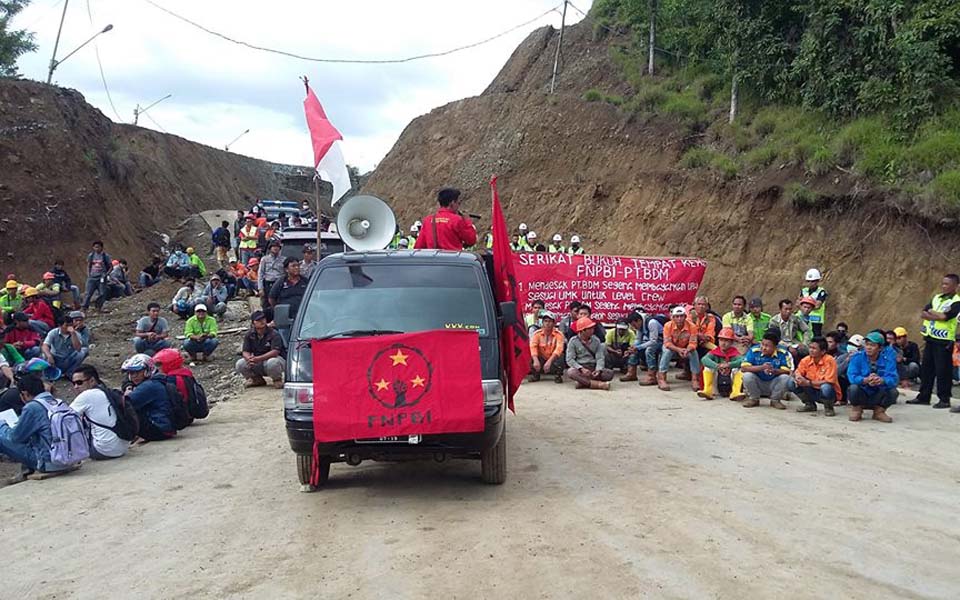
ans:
(575, 247)
(819, 296)
(521, 244)
(939, 330)
(557, 247)
(447, 229)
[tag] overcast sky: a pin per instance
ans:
(220, 89)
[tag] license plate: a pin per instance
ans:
(391, 439)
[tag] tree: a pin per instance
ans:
(13, 43)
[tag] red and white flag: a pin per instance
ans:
(327, 156)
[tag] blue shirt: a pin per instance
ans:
(150, 401)
(33, 431)
(780, 360)
(885, 366)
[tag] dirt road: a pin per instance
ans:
(625, 494)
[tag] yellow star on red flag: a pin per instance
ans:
(418, 381)
(399, 358)
(382, 385)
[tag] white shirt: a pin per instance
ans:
(95, 405)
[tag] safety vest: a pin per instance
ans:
(489, 241)
(248, 241)
(557, 249)
(522, 244)
(817, 315)
(395, 242)
(941, 330)
(411, 241)
(577, 250)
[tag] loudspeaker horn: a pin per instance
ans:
(366, 223)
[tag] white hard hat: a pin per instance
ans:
(678, 311)
(523, 226)
(418, 223)
(558, 238)
(414, 228)
(532, 235)
(575, 239)
(404, 243)
(200, 307)
(813, 275)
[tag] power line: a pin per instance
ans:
(157, 124)
(349, 60)
(103, 77)
(43, 14)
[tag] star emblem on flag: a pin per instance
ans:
(399, 376)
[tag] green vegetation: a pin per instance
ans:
(595, 95)
(13, 43)
(869, 87)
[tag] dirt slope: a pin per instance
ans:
(69, 175)
(568, 166)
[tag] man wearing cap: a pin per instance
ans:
(269, 271)
(290, 289)
(248, 238)
(816, 380)
(619, 342)
(586, 356)
(939, 331)
(521, 244)
(152, 333)
(249, 279)
(761, 320)
(546, 349)
(556, 246)
(873, 380)
(40, 313)
(721, 368)
(63, 348)
(909, 366)
(414, 234)
(201, 333)
(24, 339)
(309, 263)
(10, 299)
(575, 247)
(50, 290)
(447, 229)
(214, 295)
(198, 268)
(813, 291)
(532, 241)
(679, 341)
(766, 372)
(263, 354)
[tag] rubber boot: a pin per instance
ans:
(707, 393)
(631, 374)
(662, 381)
(599, 385)
(736, 394)
(880, 414)
(828, 409)
(649, 378)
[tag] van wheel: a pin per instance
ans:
(493, 462)
(305, 469)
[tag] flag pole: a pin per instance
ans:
(316, 181)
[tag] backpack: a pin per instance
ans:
(196, 399)
(178, 405)
(221, 237)
(128, 423)
(69, 443)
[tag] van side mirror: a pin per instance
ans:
(508, 310)
(281, 316)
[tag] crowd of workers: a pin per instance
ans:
(747, 354)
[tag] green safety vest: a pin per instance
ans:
(411, 241)
(557, 249)
(817, 315)
(522, 244)
(572, 250)
(489, 241)
(395, 242)
(941, 330)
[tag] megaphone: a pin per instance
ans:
(366, 223)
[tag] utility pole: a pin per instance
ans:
(556, 58)
(53, 59)
(653, 35)
(139, 111)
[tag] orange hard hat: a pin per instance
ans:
(726, 334)
(808, 300)
(583, 323)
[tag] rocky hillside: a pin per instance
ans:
(68, 175)
(570, 166)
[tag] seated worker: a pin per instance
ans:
(197, 268)
(873, 380)
(761, 320)
(10, 299)
(201, 333)
(706, 324)
(80, 326)
(153, 332)
(652, 346)
(150, 274)
(118, 284)
(793, 330)
(62, 278)
(619, 342)
(532, 318)
(263, 354)
(546, 349)
(816, 380)
(840, 355)
(679, 341)
(566, 323)
(909, 367)
(170, 363)
(146, 392)
(741, 322)
(586, 311)
(39, 312)
(183, 302)
(92, 402)
(766, 370)
(633, 355)
(29, 441)
(20, 336)
(215, 294)
(721, 368)
(178, 265)
(64, 348)
(249, 280)
(585, 358)
(50, 290)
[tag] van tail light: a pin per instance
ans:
(298, 396)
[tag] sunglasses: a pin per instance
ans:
(78, 382)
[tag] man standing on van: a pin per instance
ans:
(447, 229)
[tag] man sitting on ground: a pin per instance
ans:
(63, 348)
(29, 441)
(10, 299)
(198, 268)
(152, 333)
(741, 322)
(585, 358)
(816, 380)
(22, 337)
(619, 342)
(92, 403)
(909, 368)
(215, 295)
(62, 278)
(679, 341)
(546, 349)
(793, 330)
(532, 318)
(766, 371)
(263, 354)
(873, 380)
(761, 320)
(633, 355)
(50, 290)
(566, 323)
(183, 302)
(39, 312)
(146, 392)
(201, 333)
(150, 274)
(178, 265)
(721, 368)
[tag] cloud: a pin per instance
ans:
(221, 89)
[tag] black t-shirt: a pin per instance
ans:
(258, 346)
(152, 271)
(286, 292)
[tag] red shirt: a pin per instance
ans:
(40, 311)
(29, 337)
(454, 231)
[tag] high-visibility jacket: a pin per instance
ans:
(488, 241)
(945, 331)
(577, 250)
(817, 315)
(557, 249)
(522, 245)
(248, 237)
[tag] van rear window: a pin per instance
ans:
(395, 297)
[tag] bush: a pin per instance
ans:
(881, 159)
(593, 95)
(650, 98)
(947, 187)
(822, 161)
(686, 109)
(724, 166)
(761, 156)
(801, 196)
(938, 151)
(852, 138)
(706, 87)
(696, 158)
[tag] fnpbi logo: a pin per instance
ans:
(398, 378)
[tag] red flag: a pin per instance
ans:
(514, 343)
(327, 155)
(389, 385)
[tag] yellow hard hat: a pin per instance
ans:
(900, 332)
(11, 284)
(30, 292)
(190, 250)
